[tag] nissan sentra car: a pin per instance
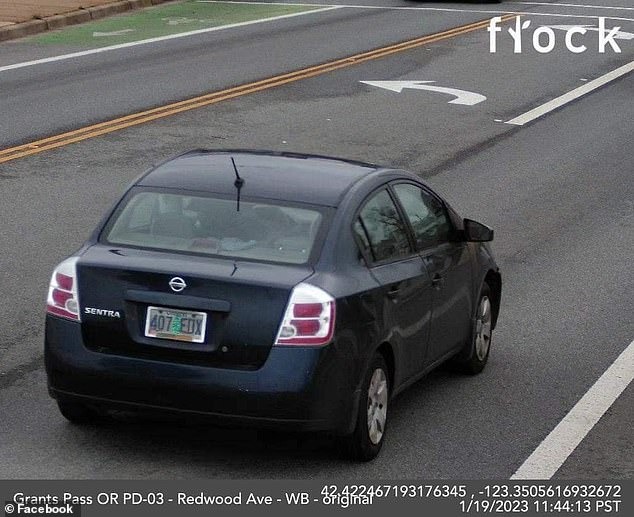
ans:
(273, 290)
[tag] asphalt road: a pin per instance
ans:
(558, 191)
(98, 87)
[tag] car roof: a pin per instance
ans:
(301, 178)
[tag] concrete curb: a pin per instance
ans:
(35, 26)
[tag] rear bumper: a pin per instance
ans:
(296, 388)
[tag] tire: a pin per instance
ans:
(77, 413)
(365, 443)
(473, 358)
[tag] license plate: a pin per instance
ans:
(164, 323)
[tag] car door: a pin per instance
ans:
(405, 292)
(447, 259)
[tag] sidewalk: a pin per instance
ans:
(20, 18)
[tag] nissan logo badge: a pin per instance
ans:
(177, 284)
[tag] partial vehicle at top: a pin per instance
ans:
(270, 289)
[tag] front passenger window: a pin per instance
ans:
(384, 228)
(426, 214)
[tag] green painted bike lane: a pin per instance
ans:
(164, 20)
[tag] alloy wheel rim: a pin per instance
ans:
(377, 406)
(483, 328)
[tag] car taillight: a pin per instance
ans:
(309, 318)
(63, 299)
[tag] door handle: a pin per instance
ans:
(437, 281)
(393, 292)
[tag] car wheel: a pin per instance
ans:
(366, 441)
(77, 413)
(475, 355)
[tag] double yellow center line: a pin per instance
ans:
(84, 133)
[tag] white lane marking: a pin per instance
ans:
(110, 48)
(461, 96)
(551, 454)
(539, 111)
(613, 8)
(439, 9)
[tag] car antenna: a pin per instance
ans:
(239, 182)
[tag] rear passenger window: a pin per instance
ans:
(383, 228)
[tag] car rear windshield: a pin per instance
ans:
(262, 231)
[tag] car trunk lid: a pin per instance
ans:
(243, 302)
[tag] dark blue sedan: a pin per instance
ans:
(272, 290)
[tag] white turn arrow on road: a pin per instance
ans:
(113, 33)
(180, 20)
(461, 96)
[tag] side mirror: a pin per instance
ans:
(477, 232)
